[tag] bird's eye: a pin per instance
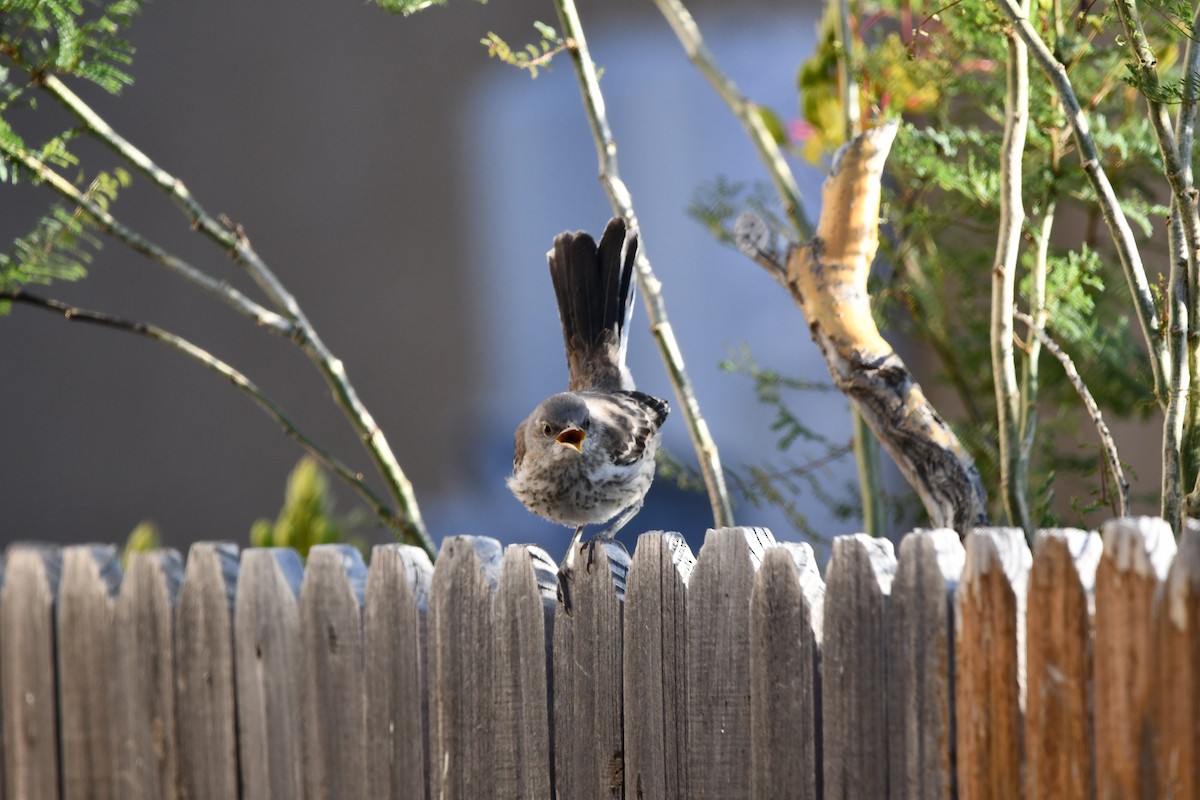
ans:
(587, 424)
(546, 430)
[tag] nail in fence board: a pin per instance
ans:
(331, 667)
(920, 666)
(87, 686)
(655, 667)
(398, 584)
(783, 661)
(207, 718)
(28, 690)
(719, 661)
(148, 766)
(461, 662)
(854, 667)
(589, 761)
(987, 698)
(1137, 553)
(1175, 691)
(1058, 744)
(521, 703)
(267, 661)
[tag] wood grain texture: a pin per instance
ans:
(204, 696)
(921, 666)
(331, 679)
(589, 760)
(398, 585)
(719, 761)
(461, 665)
(854, 667)
(784, 740)
(28, 686)
(1175, 692)
(267, 660)
(148, 741)
(87, 685)
(521, 703)
(1058, 743)
(987, 689)
(1126, 580)
(655, 667)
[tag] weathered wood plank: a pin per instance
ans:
(398, 585)
(205, 699)
(148, 740)
(1058, 743)
(1137, 552)
(783, 660)
(854, 667)
(266, 631)
(718, 597)
(521, 705)
(655, 667)
(589, 760)
(87, 685)
(1175, 692)
(987, 687)
(28, 689)
(461, 663)
(331, 674)
(921, 664)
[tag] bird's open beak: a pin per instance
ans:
(572, 437)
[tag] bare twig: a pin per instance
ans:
(1110, 208)
(1181, 292)
(622, 204)
(1106, 439)
(238, 379)
(1037, 306)
(237, 246)
(1004, 282)
(747, 112)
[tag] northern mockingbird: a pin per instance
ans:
(586, 455)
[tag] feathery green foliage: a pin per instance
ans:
(531, 57)
(307, 517)
(142, 539)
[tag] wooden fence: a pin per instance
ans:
(976, 672)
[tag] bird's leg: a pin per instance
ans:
(609, 533)
(564, 571)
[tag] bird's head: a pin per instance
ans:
(560, 425)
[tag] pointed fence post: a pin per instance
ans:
(787, 596)
(148, 741)
(589, 762)
(267, 660)
(28, 686)
(205, 697)
(87, 686)
(398, 585)
(655, 667)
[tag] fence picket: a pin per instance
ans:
(205, 699)
(87, 692)
(588, 738)
(461, 658)
(1137, 553)
(331, 667)
(718, 611)
(854, 667)
(783, 662)
(29, 691)
(1175, 693)
(655, 667)
(398, 585)
(921, 665)
(266, 627)
(988, 605)
(1058, 747)
(148, 741)
(524, 608)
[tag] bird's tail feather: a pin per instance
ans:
(594, 287)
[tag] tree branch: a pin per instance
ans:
(238, 379)
(1106, 439)
(622, 204)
